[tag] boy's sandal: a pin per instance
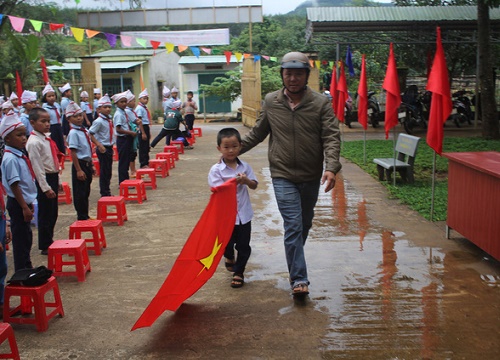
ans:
(229, 264)
(237, 281)
(300, 289)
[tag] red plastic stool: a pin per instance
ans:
(179, 144)
(161, 167)
(197, 132)
(191, 140)
(93, 226)
(115, 153)
(172, 149)
(79, 258)
(170, 157)
(138, 195)
(150, 173)
(97, 167)
(6, 333)
(103, 214)
(66, 194)
(33, 298)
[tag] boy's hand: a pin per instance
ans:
(101, 148)
(241, 178)
(8, 234)
(144, 136)
(50, 194)
(28, 214)
(80, 175)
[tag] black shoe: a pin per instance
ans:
(44, 252)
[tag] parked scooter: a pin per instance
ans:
(462, 109)
(413, 109)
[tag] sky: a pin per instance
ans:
(269, 7)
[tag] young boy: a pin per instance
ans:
(228, 167)
(18, 180)
(14, 99)
(97, 96)
(102, 129)
(124, 136)
(145, 117)
(171, 125)
(87, 110)
(66, 94)
(29, 101)
(43, 154)
(189, 108)
(52, 106)
(135, 125)
(80, 144)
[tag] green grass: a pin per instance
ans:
(418, 195)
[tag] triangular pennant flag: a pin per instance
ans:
(1, 19)
(228, 56)
(246, 55)
(238, 56)
(393, 93)
(17, 23)
(91, 33)
(141, 42)
(265, 57)
(317, 64)
(206, 50)
(342, 93)
(195, 50)
(348, 61)
(77, 33)
(170, 47)
(331, 63)
(311, 63)
(37, 25)
(54, 27)
(274, 58)
(77, 2)
(256, 58)
(111, 39)
(126, 40)
(216, 52)
(155, 44)
(182, 48)
(363, 95)
(333, 88)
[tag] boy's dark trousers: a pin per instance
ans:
(144, 147)
(106, 165)
(47, 212)
(81, 189)
(22, 236)
(124, 146)
(240, 239)
(189, 119)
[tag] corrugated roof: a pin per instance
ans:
(128, 52)
(104, 65)
(209, 59)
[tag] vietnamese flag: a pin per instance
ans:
(19, 85)
(363, 96)
(441, 104)
(333, 89)
(393, 98)
(200, 255)
(45, 73)
(342, 94)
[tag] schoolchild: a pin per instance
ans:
(166, 97)
(97, 96)
(5, 238)
(14, 99)
(124, 135)
(86, 108)
(229, 167)
(43, 154)
(50, 104)
(7, 107)
(103, 131)
(171, 124)
(18, 180)
(66, 94)
(29, 101)
(136, 126)
(189, 107)
(146, 120)
(80, 145)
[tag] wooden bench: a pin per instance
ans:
(406, 150)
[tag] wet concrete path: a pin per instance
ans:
(385, 283)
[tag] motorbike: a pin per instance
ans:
(412, 109)
(374, 113)
(462, 108)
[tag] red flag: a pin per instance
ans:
(54, 27)
(333, 89)
(19, 85)
(200, 255)
(228, 56)
(393, 97)
(342, 94)
(363, 96)
(45, 73)
(441, 104)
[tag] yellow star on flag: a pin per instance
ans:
(209, 260)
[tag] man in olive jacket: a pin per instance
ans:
(304, 135)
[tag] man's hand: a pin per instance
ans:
(329, 179)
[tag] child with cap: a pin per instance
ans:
(43, 154)
(18, 180)
(146, 120)
(50, 104)
(124, 135)
(103, 131)
(87, 110)
(97, 96)
(14, 99)
(65, 100)
(80, 145)
(171, 125)
(135, 125)
(29, 101)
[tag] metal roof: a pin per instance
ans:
(104, 65)
(208, 59)
(128, 52)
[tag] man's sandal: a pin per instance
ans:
(237, 281)
(300, 290)
(229, 264)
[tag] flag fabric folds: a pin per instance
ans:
(393, 98)
(45, 73)
(441, 104)
(200, 255)
(348, 61)
(363, 96)
(19, 85)
(342, 94)
(333, 89)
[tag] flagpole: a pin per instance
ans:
(433, 184)
(342, 137)
(394, 155)
(364, 148)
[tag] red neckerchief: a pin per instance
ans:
(28, 162)
(57, 113)
(86, 135)
(147, 110)
(53, 149)
(110, 123)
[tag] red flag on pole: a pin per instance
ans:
(333, 89)
(19, 85)
(45, 73)
(363, 96)
(441, 104)
(342, 94)
(200, 255)
(393, 96)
